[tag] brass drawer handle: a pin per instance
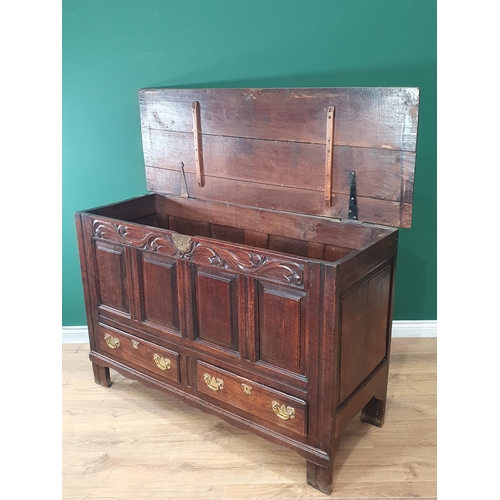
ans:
(113, 342)
(162, 363)
(282, 412)
(216, 384)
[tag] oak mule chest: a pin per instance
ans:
(256, 280)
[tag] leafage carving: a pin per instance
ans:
(235, 259)
(250, 263)
(134, 236)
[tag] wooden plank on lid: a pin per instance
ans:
(271, 145)
(365, 117)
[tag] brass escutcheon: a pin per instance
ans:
(216, 384)
(282, 412)
(247, 389)
(135, 344)
(162, 363)
(181, 242)
(113, 342)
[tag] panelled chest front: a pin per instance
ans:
(256, 280)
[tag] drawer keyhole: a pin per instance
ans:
(247, 389)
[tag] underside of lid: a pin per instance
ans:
(345, 153)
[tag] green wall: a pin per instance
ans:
(112, 48)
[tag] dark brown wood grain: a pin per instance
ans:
(140, 354)
(258, 221)
(287, 199)
(377, 383)
(273, 324)
(159, 284)
(366, 117)
(281, 332)
(319, 477)
(381, 173)
(238, 285)
(216, 299)
(266, 147)
(254, 399)
(132, 209)
(297, 247)
(112, 269)
(102, 375)
(364, 329)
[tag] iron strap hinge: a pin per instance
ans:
(353, 204)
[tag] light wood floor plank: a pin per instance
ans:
(132, 442)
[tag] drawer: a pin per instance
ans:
(274, 407)
(156, 361)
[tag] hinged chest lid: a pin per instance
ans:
(346, 153)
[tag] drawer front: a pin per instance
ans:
(277, 408)
(156, 361)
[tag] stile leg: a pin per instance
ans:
(320, 478)
(101, 375)
(374, 412)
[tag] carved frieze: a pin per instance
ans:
(234, 259)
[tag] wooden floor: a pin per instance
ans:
(131, 442)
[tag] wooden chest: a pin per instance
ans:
(256, 281)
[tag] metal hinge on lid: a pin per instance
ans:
(353, 204)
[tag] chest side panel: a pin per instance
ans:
(364, 330)
(365, 301)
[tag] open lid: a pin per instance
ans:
(346, 153)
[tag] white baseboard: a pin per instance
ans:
(414, 329)
(75, 335)
(400, 329)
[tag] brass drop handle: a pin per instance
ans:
(282, 412)
(113, 342)
(216, 384)
(162, 363)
